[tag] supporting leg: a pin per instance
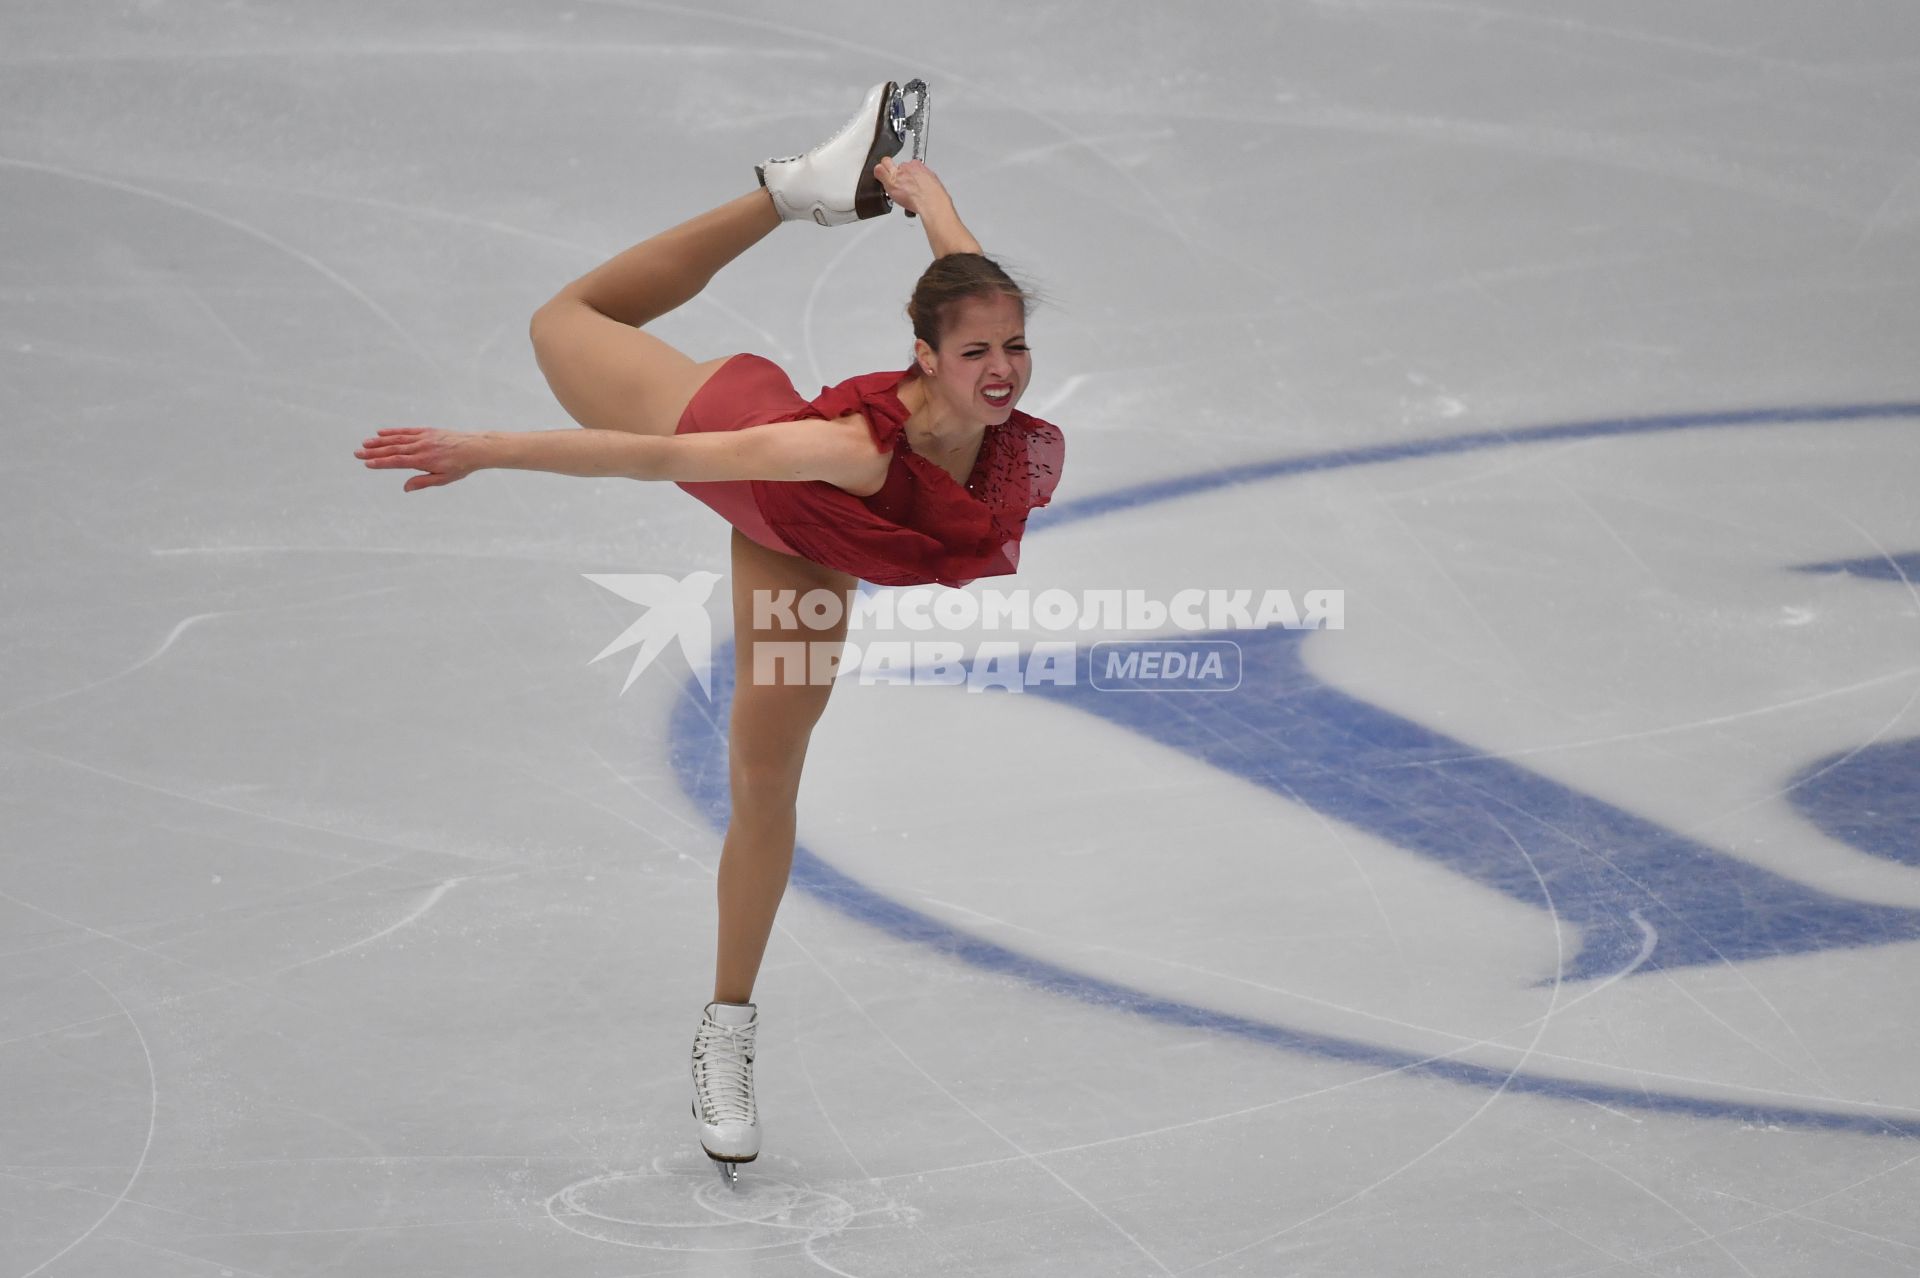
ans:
(767, 745)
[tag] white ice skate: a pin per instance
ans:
(723, 1087)
(833, 184)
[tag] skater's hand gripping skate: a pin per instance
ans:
(445, 455)
(912, 185)
(918, 190)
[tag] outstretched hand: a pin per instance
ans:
(910, 185)
(445, 455)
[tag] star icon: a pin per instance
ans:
(676, 611)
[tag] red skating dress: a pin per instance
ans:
(923, 526)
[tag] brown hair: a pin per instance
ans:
(953, 279)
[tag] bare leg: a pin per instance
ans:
(661, 274)
(767, 744)
(605, 371)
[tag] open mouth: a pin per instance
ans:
(999, 396)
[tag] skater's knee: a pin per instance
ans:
(559, 320)
(609, 375)
(769, 779)
(551, 319)
(542, 328)
(766, 776)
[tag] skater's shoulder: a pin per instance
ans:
(872, 396)
(879, 386)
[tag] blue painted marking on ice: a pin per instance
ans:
(1473, 441)
(1869, 798)
(1588, 874)
(1904, 567)
(1490, 820)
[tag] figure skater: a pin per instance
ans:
(920, 476)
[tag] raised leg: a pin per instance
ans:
(604, 369)
(766, 745)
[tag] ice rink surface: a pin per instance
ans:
(1560, 915)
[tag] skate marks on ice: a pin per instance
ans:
(146, 1148)
(364, 300)
(676, 1204)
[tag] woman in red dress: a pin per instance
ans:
(919, 476)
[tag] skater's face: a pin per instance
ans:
(983, 365)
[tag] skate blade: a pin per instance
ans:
(890, 133)
(914, 121)
(729, 1168)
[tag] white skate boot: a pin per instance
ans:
(833, 184)
(723, 1087)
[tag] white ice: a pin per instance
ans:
(353, 922)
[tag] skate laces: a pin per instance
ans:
(723, 1072)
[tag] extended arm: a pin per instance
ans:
(840, 452)
(913, 186)
(807, 449)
